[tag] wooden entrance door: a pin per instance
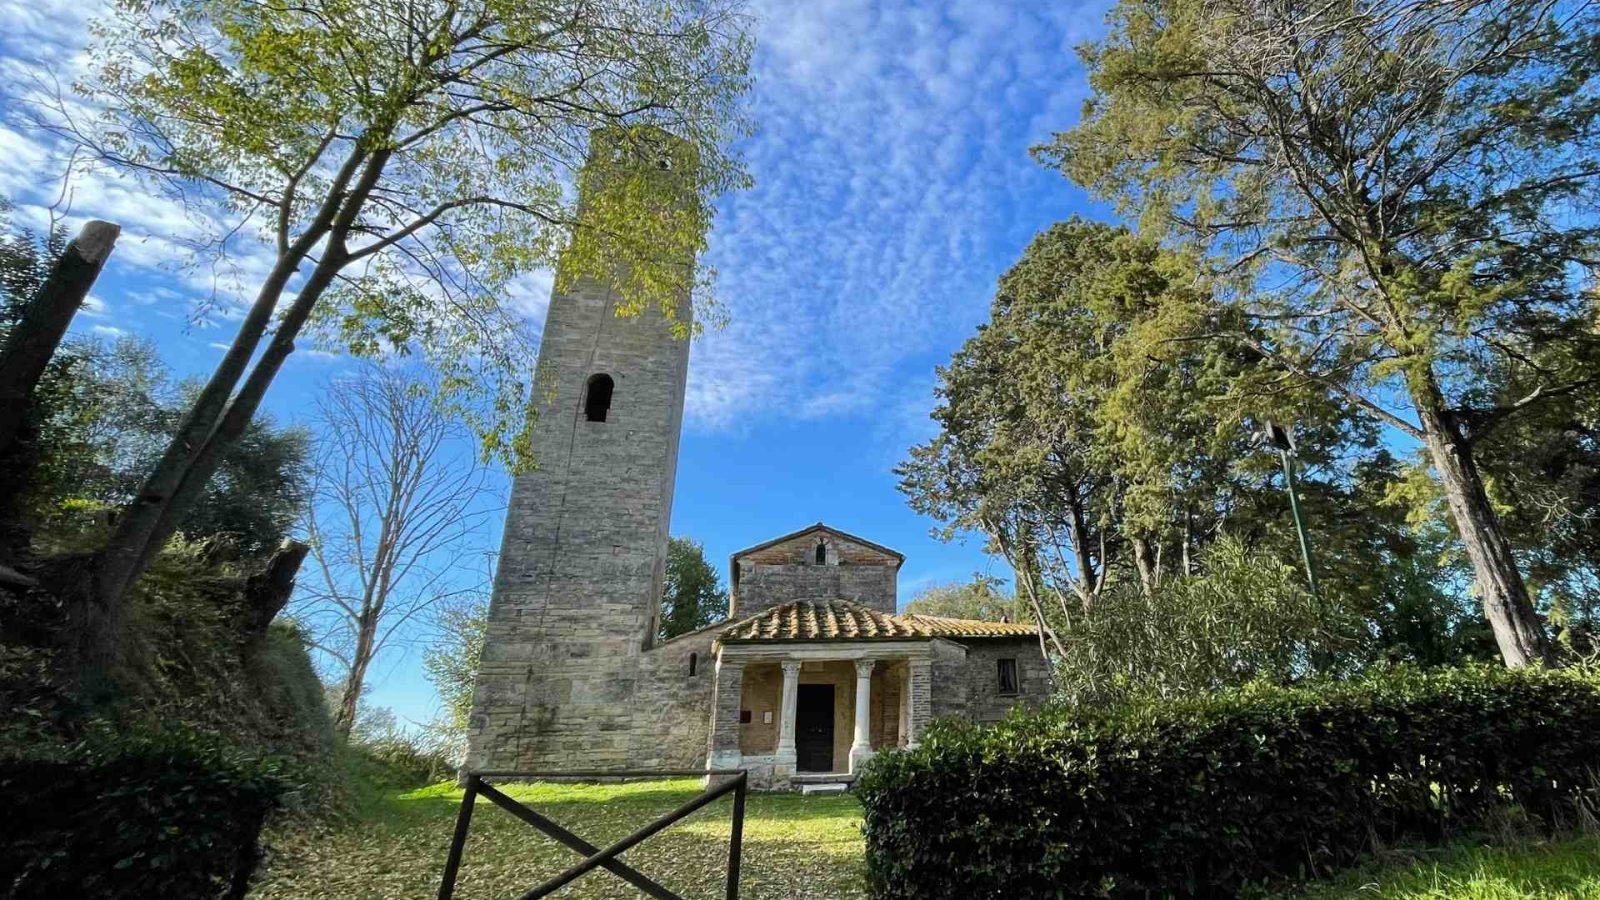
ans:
(813, 728)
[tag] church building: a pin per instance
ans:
(813, 671)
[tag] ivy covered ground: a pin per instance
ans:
(795, 847)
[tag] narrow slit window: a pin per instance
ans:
(597, 397)
(694, 661)
(1008, 676)
(822, 554)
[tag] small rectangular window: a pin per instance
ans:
(1008, 676)
(744, 717)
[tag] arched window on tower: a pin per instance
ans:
(597, 397)
(822, 553)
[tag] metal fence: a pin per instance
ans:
(595, 857)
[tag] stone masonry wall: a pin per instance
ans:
(765, 586)
(673, 708)
(582, 563)
(966, 677)
(788, 571)
(985, 703)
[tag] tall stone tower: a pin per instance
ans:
(577, 593)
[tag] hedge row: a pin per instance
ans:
(180, 821)
(1200, 798)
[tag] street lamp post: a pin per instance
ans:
(1283, 439)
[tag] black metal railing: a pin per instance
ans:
(595, 857)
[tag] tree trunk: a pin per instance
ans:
(233, 422)
(344, 718)
(268, 591)
(1147, 562)
(1506, 602)
(129, 551)
(159, 511)
(44, 322)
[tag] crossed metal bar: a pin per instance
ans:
(594, 857)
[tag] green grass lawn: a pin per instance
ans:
(1560, 870)
(795, 847)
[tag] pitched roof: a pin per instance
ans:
(940, 626)
(821, 527)
(842, 620)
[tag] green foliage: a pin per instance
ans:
(981, 598)
(432, 161)
(1100, 440)
(1521, 870)
(173, 817)
(694, 596)
(24, 261)
(1394, 204)
(106, 411)
(385, 754)
(451, 661)
(1248, 617)
(1204, 796)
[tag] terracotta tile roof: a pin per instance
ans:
(842, 620)
(939, 626)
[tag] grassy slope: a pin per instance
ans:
(795, 847)
(1565, 870)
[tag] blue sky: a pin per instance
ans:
(893, 186)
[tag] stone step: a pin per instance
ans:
(830, 787)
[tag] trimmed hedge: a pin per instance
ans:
(170, 823)
(1203, 797)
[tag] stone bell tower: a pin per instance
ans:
(577, 592)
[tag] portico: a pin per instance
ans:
(817, 708)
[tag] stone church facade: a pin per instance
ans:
(810, 675)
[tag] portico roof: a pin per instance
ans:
(835, 619)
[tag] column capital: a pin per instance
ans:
(864, 667)
(791, 667)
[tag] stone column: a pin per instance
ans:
(903, 731)
(921, 702)
(724, 750)
(784, 761)
(861, 747)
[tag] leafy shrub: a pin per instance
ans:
(1201, 797)
(1246, 617)
(382, 752)
(176, 820)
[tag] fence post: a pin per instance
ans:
(736, 836)
(458, 843)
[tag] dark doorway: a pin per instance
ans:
(813, 728)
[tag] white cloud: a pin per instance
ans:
(892, 185)
(110, 331)
(889, 170)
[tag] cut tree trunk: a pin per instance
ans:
(44, 322)
(268, 591)
(1506, 603)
